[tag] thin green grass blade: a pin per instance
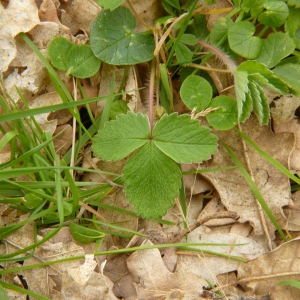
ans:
(269, 158)
(254, 189)
(7, 138)
(291, 282)
(117, 251)
(115, 227)
(22, 291)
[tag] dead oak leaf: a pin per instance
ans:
(274, 186)
(18, 16)
(262, 274)
(155, 281)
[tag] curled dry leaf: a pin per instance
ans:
(284, 108)
(18, 16)
(79, 15)
(274, 186)
(261, 275)
(157, 282)
(210, 266)
(291, 127)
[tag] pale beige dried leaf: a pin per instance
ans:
(284, 260)
(293, 216)
(63, 143)
(234, 191)
(18, 16)
(79, 15)
(210, 266)
(82, 274)
(157, 282)
(284, 108)
(291, 127)
(97, 287)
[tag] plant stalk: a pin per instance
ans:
(151, 95)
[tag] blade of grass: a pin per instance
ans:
(22, 291)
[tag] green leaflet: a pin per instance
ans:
(242, 41)
(292, 25)
(196, 92)
(254, 6)
(241, 89)
(260, 103)
(85, 235)
(120, 137)
(183, 139)
(110, 4)
(276, 47)
(275, 15)
(151, 181)
(183, 53)
(289, 74)
(226, 116)
(113, 41)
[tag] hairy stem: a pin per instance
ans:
(151, 95)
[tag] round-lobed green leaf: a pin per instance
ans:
(110, 4)
(58, 51)
(113, 41)
(242, 41)
(226, 117)
(196, 92)
(275, 15)
(81, 61)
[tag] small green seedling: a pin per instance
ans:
(114, 42)
(196, 93)
(78, 60)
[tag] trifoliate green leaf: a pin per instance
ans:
(242, 41)
(110, 4)
(151, 181)
(113, 40)
(81, 62)
(226, 116)
(260, 103)
(275, 15)
(183, 54)
(183, 139)
(196, 92)
(85, 235)
(120, 137)
(292, 25)
(276, 47)
(58, 51)
(289, 74)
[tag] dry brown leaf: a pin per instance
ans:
(79, 15)
(48, 12)
(18, 16)
(149, 11)
(284, 108)
(293, 216)
(210, 266)
(291, 127)
(64, 141)
(155, 281)
(273, 185)
(261, 275)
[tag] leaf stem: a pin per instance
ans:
(151, 95)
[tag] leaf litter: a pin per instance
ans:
(221, 202)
